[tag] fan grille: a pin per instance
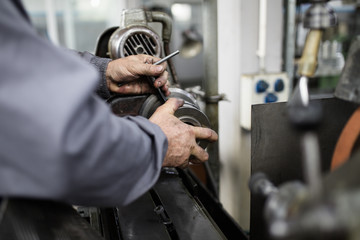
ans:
(140, 43)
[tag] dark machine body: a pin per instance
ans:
(177, 207)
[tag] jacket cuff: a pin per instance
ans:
(101, 65)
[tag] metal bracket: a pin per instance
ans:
(216, 98)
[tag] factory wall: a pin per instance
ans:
(237, 47)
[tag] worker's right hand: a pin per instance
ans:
(182, 138)
(127, 75)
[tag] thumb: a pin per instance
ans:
(150, 70)
(171, 105)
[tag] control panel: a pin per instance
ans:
(258, 89)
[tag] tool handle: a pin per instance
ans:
(160, 94)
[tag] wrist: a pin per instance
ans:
(109, 71)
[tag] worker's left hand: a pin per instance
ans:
(127, 75)
(182, 138)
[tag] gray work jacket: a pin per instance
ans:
(57, 139)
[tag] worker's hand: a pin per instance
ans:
(182, 147)
(130, 72)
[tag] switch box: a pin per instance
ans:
(261, 88)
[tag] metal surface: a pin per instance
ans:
(152, 103)
(302, 112)
(160, 94)
(167, 57)
(260, 184)
(311, 163)
(294, 213)
(289, 49)
(145, 105)
(134, 36)
(28, 219)
(132, 41)
(210, 80)
(165, 20)
(348, 87)
(178, 207)
(319, 16)
(101, 49)
(189, 113)
(175, 81)
(275, 148)
(300, 96)
(126, 105)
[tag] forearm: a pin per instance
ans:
(101, 65)
(58, 140)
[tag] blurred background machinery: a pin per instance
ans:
(307, 205)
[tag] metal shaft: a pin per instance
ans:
(210, 80)
(160, 94)
(167, 57)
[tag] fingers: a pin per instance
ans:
(133, 69)
(162, 80)
(206, 134)
(199, 155)
(165, 89)
(171, 105)
(149, 69)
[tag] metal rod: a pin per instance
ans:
(290, 42)
(160, 94)
(167, 57)
(210, 79)
(312, 165)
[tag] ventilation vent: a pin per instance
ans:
(140, 43)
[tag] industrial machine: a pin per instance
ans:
(311, 189)
(181, 205)
(135, 36)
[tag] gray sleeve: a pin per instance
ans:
(101, 65)
(59, 141)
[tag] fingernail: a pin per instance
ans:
(158, 83)
(159, 68)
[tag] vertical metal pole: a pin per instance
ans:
(210, 82)
(69, 24)
(51, 22)
(289, 47)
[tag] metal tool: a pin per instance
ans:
(160, 94)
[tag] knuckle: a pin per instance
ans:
(208, 132)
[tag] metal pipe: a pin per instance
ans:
(261, 52)
(210, 81)
(290, 41)
(174, 77)
(51, 21)
(311, 161)
(166, 21)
